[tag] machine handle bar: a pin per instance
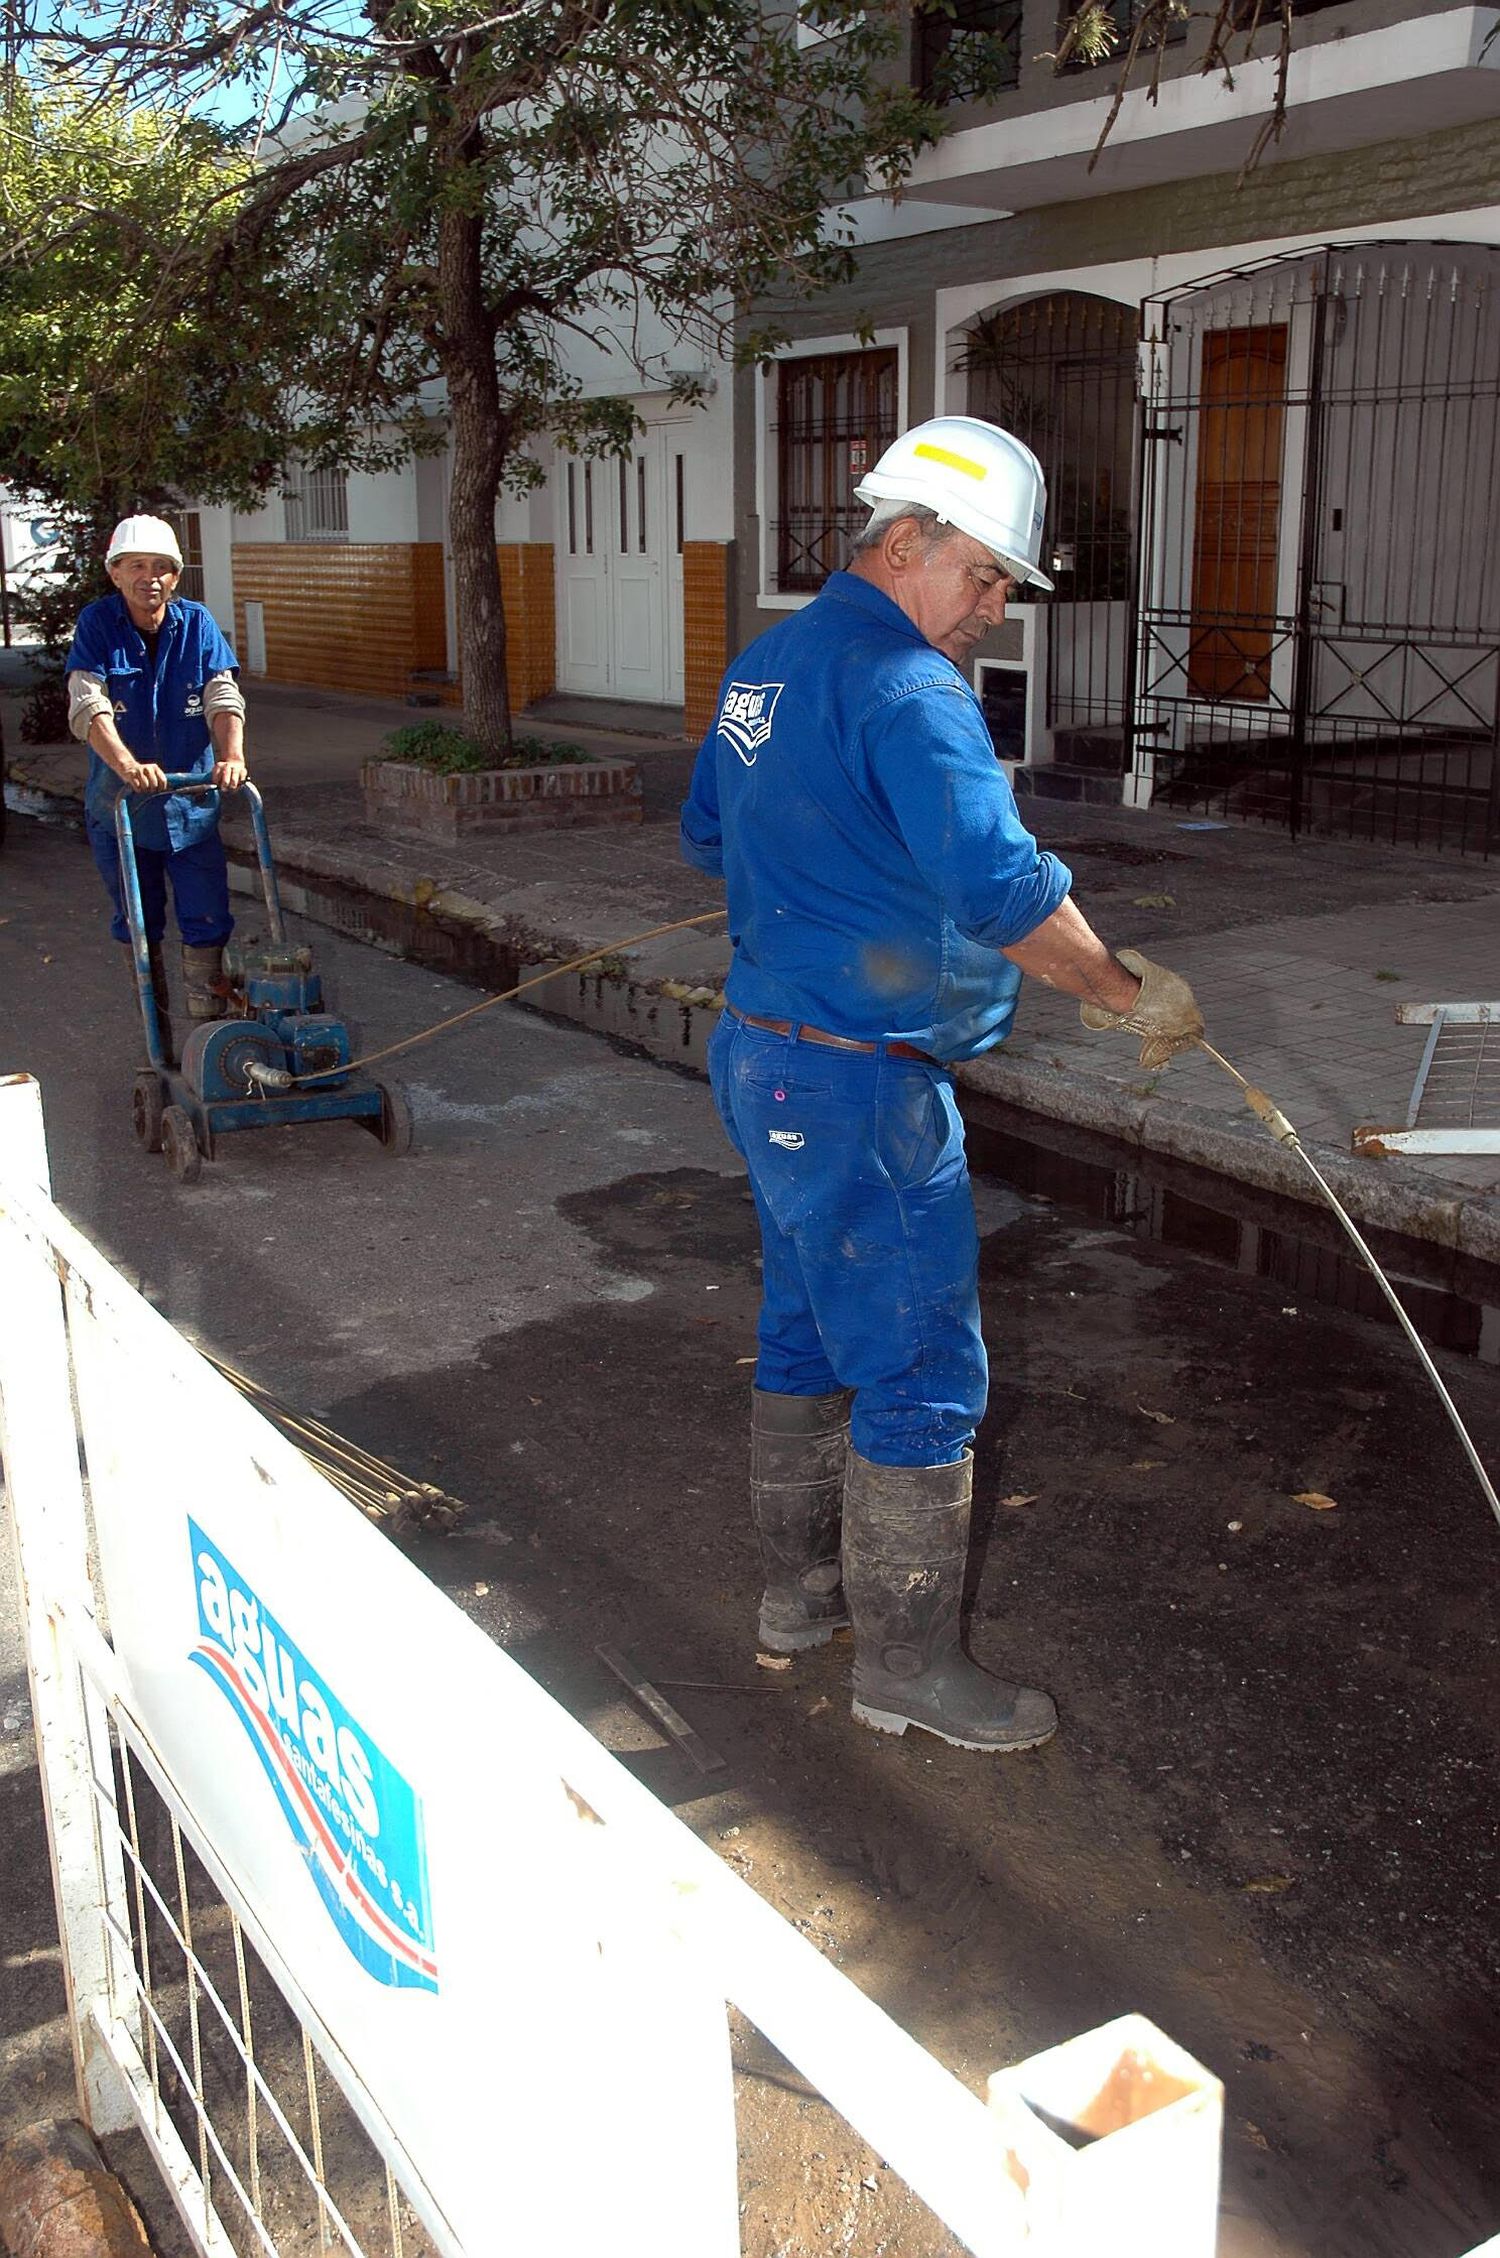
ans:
(263, 853)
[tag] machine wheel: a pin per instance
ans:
(146, 1110)
(180, 1145)
(395, 1130)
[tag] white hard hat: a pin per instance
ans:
(143, 537)
(975, 476)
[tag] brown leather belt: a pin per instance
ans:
(806, 1034)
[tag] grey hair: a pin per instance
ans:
(883, 514)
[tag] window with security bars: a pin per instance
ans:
(835, 416)
(188, 527)
(317, 504)
(966, 49)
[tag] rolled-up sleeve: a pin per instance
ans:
(700, 831)
(930, 762)
(88, 699)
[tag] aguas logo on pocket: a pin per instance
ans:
(746, 716)
(790, 1140)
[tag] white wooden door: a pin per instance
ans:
(583, 596)
(617, 544)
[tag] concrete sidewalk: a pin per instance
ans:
(1299, 951)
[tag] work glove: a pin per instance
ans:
(1165, 1013)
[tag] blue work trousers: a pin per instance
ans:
(199, 876)
(871, 1280)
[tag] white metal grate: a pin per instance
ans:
(1458, 1085)
(227, 2072)
(1455, 1100)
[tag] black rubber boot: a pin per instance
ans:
(906, 1538)
(159, 990)
(798, 1446)
(203, 977)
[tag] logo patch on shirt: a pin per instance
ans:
(746, 715)
(791, 1140)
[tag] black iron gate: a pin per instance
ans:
(1059, 371)
(1318, 613)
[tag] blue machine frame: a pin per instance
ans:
(162, 1090)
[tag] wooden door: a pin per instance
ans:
(1237, 513)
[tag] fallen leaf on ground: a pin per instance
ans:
(1162, 1418)
(819, 1706)
(1268, 1885)
(747, 1360)
(1155, 901)
(773, 1662)
(1021, 1497)
(1255, 2136)
(1145, 1465)
(1316, 1499)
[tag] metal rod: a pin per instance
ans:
(1285, 1134)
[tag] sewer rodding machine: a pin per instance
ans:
(276, 1059)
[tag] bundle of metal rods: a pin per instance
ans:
(381, 1491)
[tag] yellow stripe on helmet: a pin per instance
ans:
(945, 455)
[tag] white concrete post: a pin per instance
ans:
(1117, 2137)
(39, 1443)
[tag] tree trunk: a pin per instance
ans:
(480, 436)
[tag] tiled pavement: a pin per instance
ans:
(1306, 1008)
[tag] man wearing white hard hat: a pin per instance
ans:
(884, 902)
(153, 691)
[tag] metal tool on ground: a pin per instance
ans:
(1266, 1111)
(1455, 1100)
(381, 1491)
(243, 1071)
(660, 1711)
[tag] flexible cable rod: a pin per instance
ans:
(1284, 1133)
(553, 972)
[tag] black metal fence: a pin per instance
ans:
(1318, 620)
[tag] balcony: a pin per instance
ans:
(1346, 89)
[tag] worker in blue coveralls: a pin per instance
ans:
(884, 901)
(153, 691)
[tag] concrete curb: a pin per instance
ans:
(670, 1019)
(1384, 1195)
(58, 2199)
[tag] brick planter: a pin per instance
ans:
(403, 796)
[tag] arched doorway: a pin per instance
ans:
(1059, 371)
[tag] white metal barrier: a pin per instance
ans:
(335, 1876)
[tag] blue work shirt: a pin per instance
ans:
(849, 796)
(159, 712)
